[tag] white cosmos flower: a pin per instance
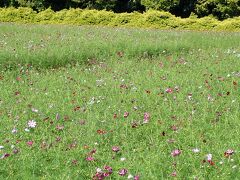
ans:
(196, 150)
(122, 159)
(32, 124)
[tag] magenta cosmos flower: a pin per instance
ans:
(137, 177)
(175, 152)
(109, 169)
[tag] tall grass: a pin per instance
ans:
(54, 45)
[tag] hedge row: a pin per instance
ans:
(149, 19)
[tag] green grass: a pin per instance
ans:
(79, 73)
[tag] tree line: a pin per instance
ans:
(221, 9)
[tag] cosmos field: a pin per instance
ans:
(88, 102)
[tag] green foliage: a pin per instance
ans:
(160, 4)
(34, 4)
(221, 9)
(149, 19)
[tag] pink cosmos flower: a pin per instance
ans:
(228, 153)
(59, 127)
(98, 176)
(32, 124)
(18, 78)
(174, 127)
(123, 172)
(169, 90)
(174, 174)
(106, 174)
(146, 117)
(90, 158)
(175, 152)
(30, 143)
(126, 114)
(15, 151)
(115, 149)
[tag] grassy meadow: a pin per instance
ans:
(84, 102)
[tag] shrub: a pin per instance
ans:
(25, 15)
(44, 16)
(149, 19)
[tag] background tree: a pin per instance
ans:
(181, 8)
(135, 5)
(184, 8)
(57, 5)
(221, 9)
(165, 5)
(7, 3)
(34, 4)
